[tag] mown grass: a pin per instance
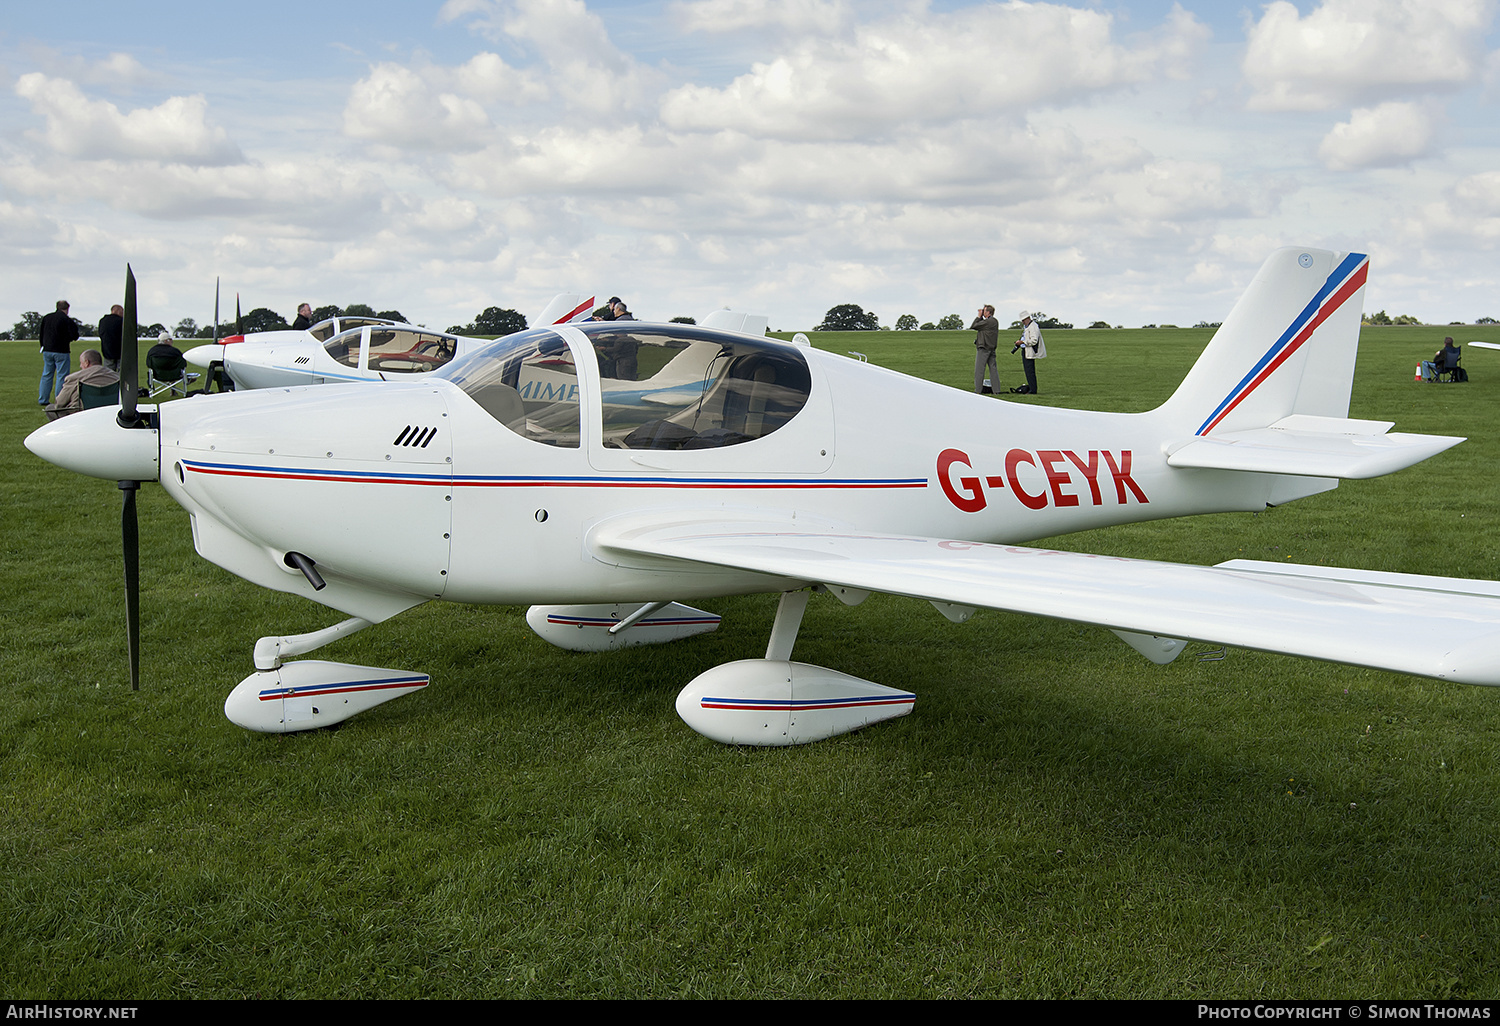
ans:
(1058, 817)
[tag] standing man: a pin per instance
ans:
(111, 336)
(59, 332)
(986, 339)
(304, 318)
(1032, 350)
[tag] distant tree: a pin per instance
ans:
(1380, 317)
(1404, 319)
(322, 313)
(682, 320)
(87, 330)
(492, 321)
(1167, 326)
(1099, 324)
(495, 321)
(1486, 320)
(392, 315)
(359, 310)
(603, 312)
(1042, 321)
(262, 319)
(952, 322)
(848, 317)
(906, 322)
(1143, 326)
(186, 328)
(1209, 324)
(29, 326)
(928, 326)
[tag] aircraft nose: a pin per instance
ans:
(92, 442)
(203, 356)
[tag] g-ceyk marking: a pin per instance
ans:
(968, 492)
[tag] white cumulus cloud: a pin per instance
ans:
(980, 62)
(1353, 51)
(175, 131)
(820, 16)
(396, 105)
(1389, 135)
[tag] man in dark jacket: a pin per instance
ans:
(111, 334)
(986, 339)
(59, 332)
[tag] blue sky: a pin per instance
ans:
(1131, 162)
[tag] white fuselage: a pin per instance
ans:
(411, 491)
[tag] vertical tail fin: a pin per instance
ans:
(1287, 347)
(564, 308)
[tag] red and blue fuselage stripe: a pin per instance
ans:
(539, 480)
(1345, 281)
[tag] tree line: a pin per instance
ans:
(853, 317)
(490, 321)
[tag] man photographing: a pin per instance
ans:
(1032, 350)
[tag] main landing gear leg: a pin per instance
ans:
(280, 698)
(774, 701)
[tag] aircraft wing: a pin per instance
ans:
(1311, 447)
(1447, 628)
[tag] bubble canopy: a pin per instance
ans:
(661, 386)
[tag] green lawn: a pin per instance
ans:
(1058, 817)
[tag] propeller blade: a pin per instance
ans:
(216, 308)
(130, 533)
(129, 355)
(239, 322)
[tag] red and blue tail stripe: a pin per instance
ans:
(1347, 279)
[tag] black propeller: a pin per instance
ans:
(129, 528)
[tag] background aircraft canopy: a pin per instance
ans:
(393, 350)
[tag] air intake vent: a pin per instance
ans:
(415, 437)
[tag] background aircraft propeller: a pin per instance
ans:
(129, 527)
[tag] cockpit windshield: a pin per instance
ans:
(675, 387)
(324, 330)
(526, 381)
(662, 386)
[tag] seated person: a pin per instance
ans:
(91, 371)
(1444, 360)
(165, 360)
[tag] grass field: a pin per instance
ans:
(1058, 818)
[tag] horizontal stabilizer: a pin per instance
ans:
(1311, 447)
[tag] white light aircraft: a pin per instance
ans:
(348, 348)
(372, 349)
(519, 476)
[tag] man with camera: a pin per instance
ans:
(1032, 350)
